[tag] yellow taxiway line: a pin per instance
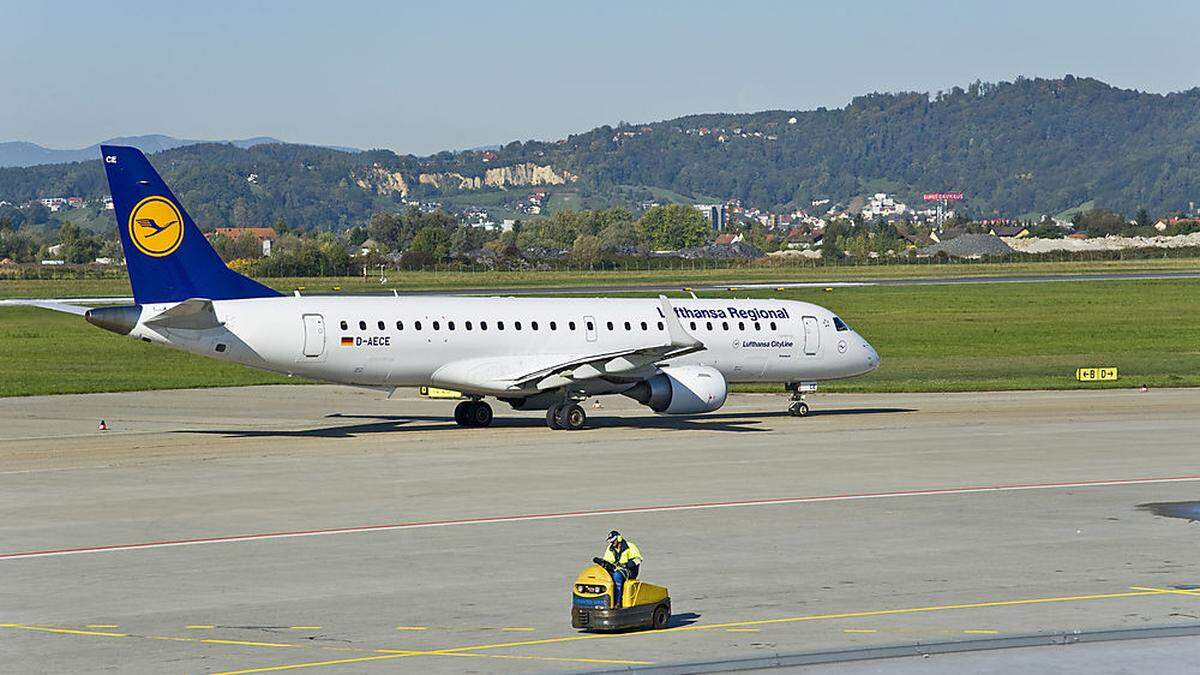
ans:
(472, 651)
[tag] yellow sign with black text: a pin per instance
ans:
(434, 392)
(1096, 374)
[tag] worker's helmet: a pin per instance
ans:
(614, 536)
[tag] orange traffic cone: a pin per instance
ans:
(103, 425)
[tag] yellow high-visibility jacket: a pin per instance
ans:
(623, 553)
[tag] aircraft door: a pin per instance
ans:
(314, 335)
(589, 324)
(812, 336)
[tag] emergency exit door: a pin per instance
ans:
(589, 325)
(812, 336)
(314, 335)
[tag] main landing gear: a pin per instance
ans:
(473, 414)
(568, 415)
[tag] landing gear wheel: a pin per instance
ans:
(798, 409)
(552, 417)
(462, 412)
(480, 414)
(571, 416)
(661, 617)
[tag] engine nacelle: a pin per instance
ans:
(541, 401)
(683, 390)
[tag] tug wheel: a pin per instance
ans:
(661, 617)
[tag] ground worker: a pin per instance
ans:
(624, 559)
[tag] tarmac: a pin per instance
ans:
(327, 529)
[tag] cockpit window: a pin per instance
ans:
(839, 324)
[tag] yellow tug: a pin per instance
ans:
(643, 605)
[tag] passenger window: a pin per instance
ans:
(724, 325)
(708, 325)
(482, 325)
(450, 325)
(362, 325)
(533, 325)
(517, 325)
(626, 325)
(772, 325)
(380, 325)
(436, 326)
(571, 325)
(499, 325)
(660, 325)
(693, 324)
(840, 325)
(643, 325)
(343, 325)
(757, 326)
(610, 325)
(467, 325)
(590, 326)
(553, 326)
(741, 325)
(399, 325)
(417, 325)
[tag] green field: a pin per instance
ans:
(931, 338)
(78, 288)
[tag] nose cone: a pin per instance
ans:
(120, 320)
(870, 356)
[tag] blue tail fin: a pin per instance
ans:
(169, 260)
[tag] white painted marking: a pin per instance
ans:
(931, 492)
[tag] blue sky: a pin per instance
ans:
(421, 77)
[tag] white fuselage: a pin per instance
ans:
(403, 341)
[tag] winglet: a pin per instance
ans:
(680, 339)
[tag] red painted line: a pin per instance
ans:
(595, 512)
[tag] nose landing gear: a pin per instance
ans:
(473, 413)
(798, 406)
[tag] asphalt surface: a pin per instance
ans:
(325, 529)
(602, 289)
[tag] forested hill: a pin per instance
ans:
(1031, 145)
(1013, 148)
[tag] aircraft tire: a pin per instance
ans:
(480, 414)
(462, 414)
(552, 417)
(798, 409)
(571, 417)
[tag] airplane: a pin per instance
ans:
(677, 357)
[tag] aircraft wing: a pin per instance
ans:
(551, 371)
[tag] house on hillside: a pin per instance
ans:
(259, 233)
(1017, 231)
(264, 235)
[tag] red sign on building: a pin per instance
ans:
(943, 196)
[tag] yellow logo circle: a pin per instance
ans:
(156, 226)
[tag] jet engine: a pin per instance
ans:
(683, 390)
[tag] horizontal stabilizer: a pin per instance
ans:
(191, 314)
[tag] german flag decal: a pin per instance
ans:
(347, 342)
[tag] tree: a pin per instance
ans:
(674, 226)
(1101, 222)
(1142, 218)
(433, 242)
(586, 250)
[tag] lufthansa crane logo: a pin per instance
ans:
(156, 226)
